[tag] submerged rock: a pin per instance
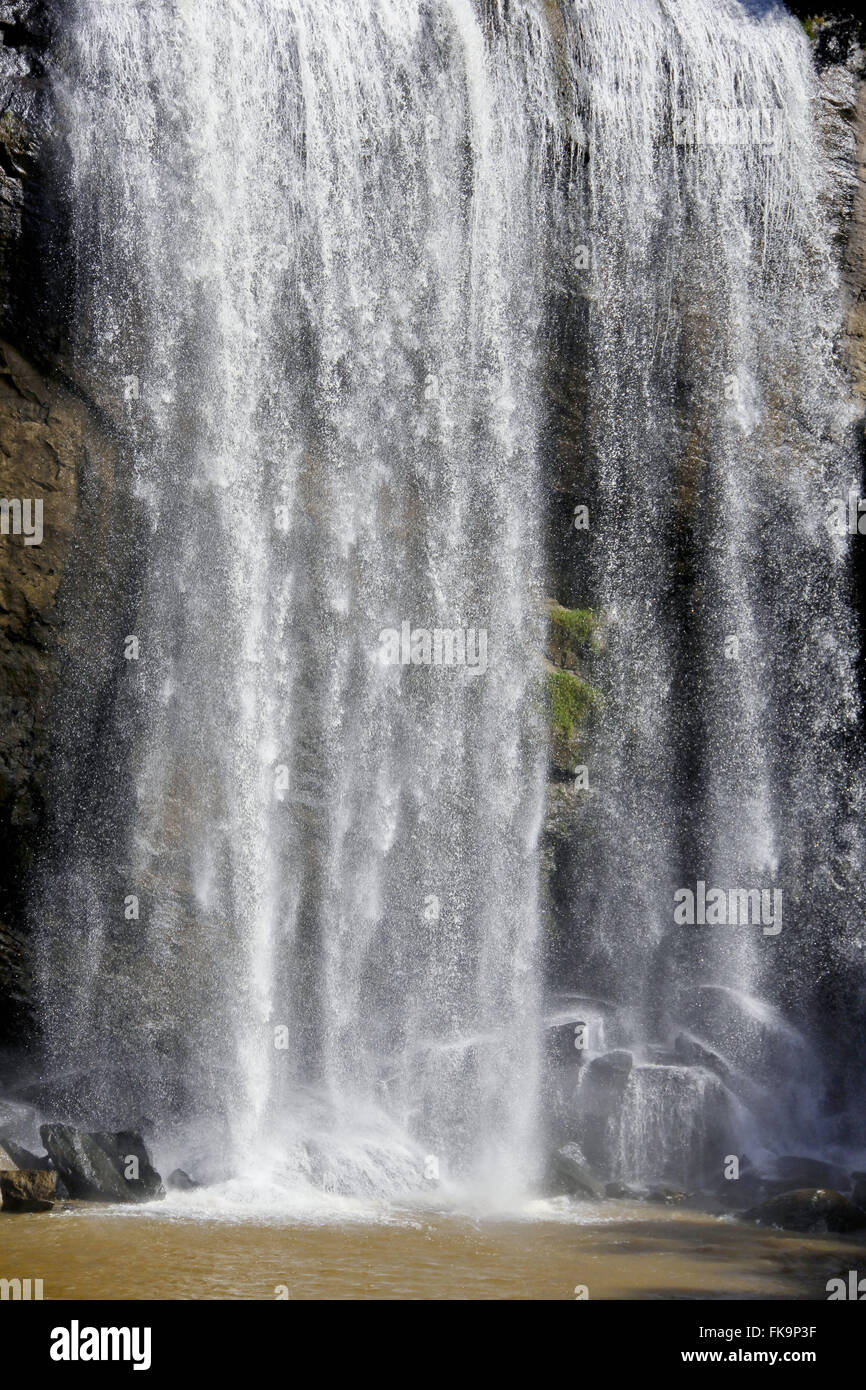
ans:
(809, 1209)
(102, 1166)
(22, 1190)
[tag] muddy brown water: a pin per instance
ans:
(616, 1252)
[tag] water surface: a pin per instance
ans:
(620, 1252)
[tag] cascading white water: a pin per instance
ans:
(310, 249)
(319, 250)
(717, 431)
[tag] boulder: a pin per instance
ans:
(179, 1181)
(674, 1126)
(614, 1064)
(140, 1176)
(597, 1106)
(559, 1043)
(809, 1209)
(745, 1191)
(809, 1172)
(23, 1190)
(689, 1052)
(96, 1167)
(571, 1173)
(741, 1031)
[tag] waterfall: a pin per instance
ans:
(360, 289)
(310, 252)
(717, 429)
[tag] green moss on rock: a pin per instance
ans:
(571, 701)
(573, 633)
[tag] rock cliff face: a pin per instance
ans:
(34, 276)
(844, 91)
(53, 451)
(55, 447)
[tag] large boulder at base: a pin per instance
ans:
(21, 1190)
(597, 1107)
(809, 1172)
(817, 1209)
(125, 1146)
(97, 1167)
(571, 1174)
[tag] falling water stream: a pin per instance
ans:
(319, 250)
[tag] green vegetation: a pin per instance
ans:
(573, 635)
(571, 700)
(572, 631)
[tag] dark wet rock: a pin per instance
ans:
(618, 1063)
(102, 1166)
(574, 1034)
(131, 1155)
(84, 1166)
(559, 1040)
(810, 1172)
(688, 1051)
(745, 1191)
(598, 1106)
(745, 1033)
(23, 1190)
(13, 1155)
(53, 453)
(571, 1174)
(179, 1181)
(809, 1209)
